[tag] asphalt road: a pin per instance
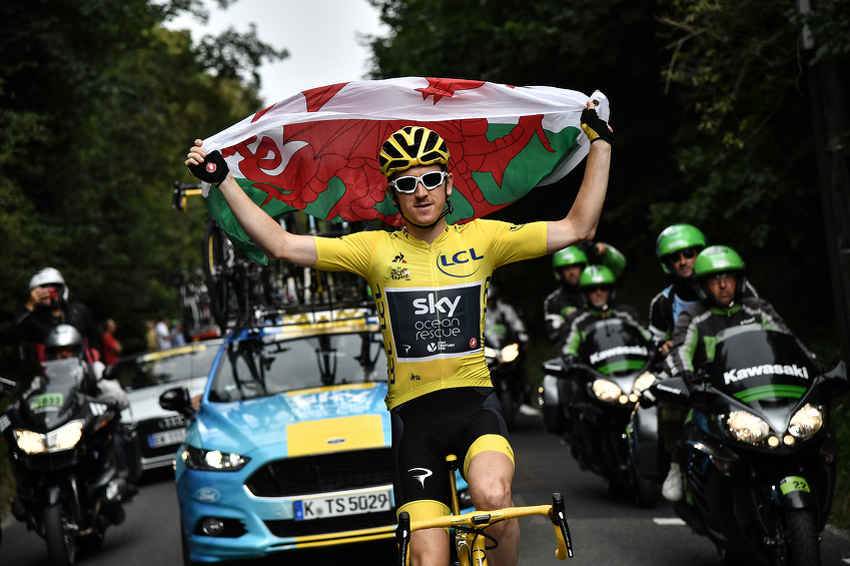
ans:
(605, 528)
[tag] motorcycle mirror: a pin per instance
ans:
(7, 383)
(835, 380)
(554, 367)
(178, 400)
(674, 389)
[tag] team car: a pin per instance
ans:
(291, 444)
(145, 377)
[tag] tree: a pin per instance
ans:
(98, 102)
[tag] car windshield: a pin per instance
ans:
(166, 366)
(264, 366)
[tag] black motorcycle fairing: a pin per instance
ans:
(755, 365)
(51, 399)
(613, 347)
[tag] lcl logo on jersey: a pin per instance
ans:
(456, 264)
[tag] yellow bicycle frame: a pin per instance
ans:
(469, 540)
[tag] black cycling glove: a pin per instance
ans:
(595, 127)
(213, 170)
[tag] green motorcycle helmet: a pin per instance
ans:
(718, 259)
(675, 238)
(597, 276)
(566, 257)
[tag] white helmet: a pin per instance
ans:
(63, 336)
(49, 276)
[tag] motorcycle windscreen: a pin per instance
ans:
(613, 347)
(51, 399)
(761, 368)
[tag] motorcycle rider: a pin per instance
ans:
(501, 318)
(65, 342)
(720, 282)
(46, 308)
(598, 286)
(567, 265)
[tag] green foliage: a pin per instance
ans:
(98, 105)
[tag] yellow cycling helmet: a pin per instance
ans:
(412, 146)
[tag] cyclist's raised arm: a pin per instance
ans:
(581, 222)
(260, 227)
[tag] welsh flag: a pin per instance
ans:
(317, 151)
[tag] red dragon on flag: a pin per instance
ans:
(318, 151)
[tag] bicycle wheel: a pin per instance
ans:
(216, 273)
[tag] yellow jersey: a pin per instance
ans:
(432, 299)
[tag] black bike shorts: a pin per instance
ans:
(463, 421)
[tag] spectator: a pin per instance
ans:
(177, 338)
(150, 335)
(163, 334)
(111, 346)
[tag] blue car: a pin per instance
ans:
(290, 445)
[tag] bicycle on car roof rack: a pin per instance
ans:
(243, 292)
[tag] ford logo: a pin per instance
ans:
(207, 495)
(177, 421)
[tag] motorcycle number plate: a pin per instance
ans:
(794, 483)
(166, 438)
(339, 504)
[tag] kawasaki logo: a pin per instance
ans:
(734, 375)
(431, 305)
(619, 351)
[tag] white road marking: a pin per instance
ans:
(664, 521)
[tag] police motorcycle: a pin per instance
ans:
(758, 448)
(61, 451)
(505, 360)
(590, 398)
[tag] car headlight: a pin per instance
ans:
(212, 460)
(606, 390)
(64, 438)
(806, 422)
(643, 382)
(747, 427)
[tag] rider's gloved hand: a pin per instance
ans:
(213, 170)
(595, 127)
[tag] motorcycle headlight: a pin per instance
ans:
(806, 422)
(643, 382)
(606, 390)
(510, 353)
(747, 427)
(64, 438)
(212, 460)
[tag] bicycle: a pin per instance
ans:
(469, 537)
(241, 291)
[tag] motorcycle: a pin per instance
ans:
(503, 352)
(61, 452)
(590, 398)
(758, 449)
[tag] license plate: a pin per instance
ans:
(167, 437)
(338, 505)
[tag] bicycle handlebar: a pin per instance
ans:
(480, 520)
(180, 192)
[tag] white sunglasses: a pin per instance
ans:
(408, 184)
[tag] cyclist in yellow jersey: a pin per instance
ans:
(430, 284)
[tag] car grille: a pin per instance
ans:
(331, 525)
(319, 474)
